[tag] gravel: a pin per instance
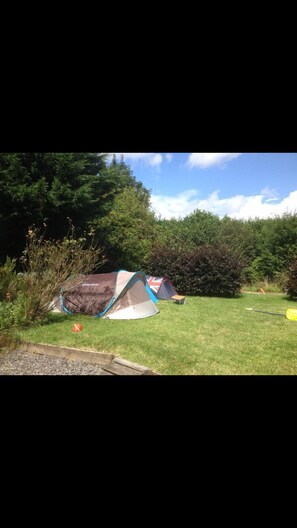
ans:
(22, 363)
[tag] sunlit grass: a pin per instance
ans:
(203, 336)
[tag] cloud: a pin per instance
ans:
(238, 206)
(169, 157)
(155, 159)
(206, 160)
(152, 159)
(174, 206)
(269, 194)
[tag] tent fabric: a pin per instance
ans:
(161, 287)
(116, 295)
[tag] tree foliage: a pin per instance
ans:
(8, 280)
(98, 191)
(128, 231)
(239, 236)
(50, 188)
(292, 280)
(115, 178)
(37, 188)
(200, 227)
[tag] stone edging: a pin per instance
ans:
(109, 362)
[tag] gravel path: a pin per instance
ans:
(22, 363)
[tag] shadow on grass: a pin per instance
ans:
(48, 319)
(290, 299)
(55, 317)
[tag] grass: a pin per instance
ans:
(210, 336)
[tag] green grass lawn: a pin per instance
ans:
(203, 336)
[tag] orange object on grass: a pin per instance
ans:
(77, 327)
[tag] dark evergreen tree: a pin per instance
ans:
(47, 188)
(51, 188)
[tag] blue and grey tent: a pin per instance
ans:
(161, 287)
(116, 295)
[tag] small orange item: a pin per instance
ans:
(77, 327)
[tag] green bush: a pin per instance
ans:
(280, 280)
(13, 313)
(207, 270)
(7, 317)
(169, 262)
(8, 280)
(8, 341)
(263, 268)
(292, 280)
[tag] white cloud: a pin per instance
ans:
(205, 160)
(169, 157)
(239, 206)
(173, 206)
(155, 159)
(270, 194)
(148, 158)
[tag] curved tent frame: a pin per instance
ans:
(116, 295)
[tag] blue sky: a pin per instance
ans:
(240, 185)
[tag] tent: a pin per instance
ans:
(116, 295)
(161, 287)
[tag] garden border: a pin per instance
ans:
(109, 362)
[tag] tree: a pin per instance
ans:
(239, 236)
(114, 178)
(292, 279)
(262, 268)
(282, 236)
(275, 246)
(198, 228)
(128, 231)
(37, 188)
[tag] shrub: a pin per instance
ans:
(8, 280)
(280, 280)
(48, 264)
(8, 341)
(292, 280)
(208, 270)
(214, 271)
(265, 267)
(7, 317)
(13, 313)
(166, 261)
